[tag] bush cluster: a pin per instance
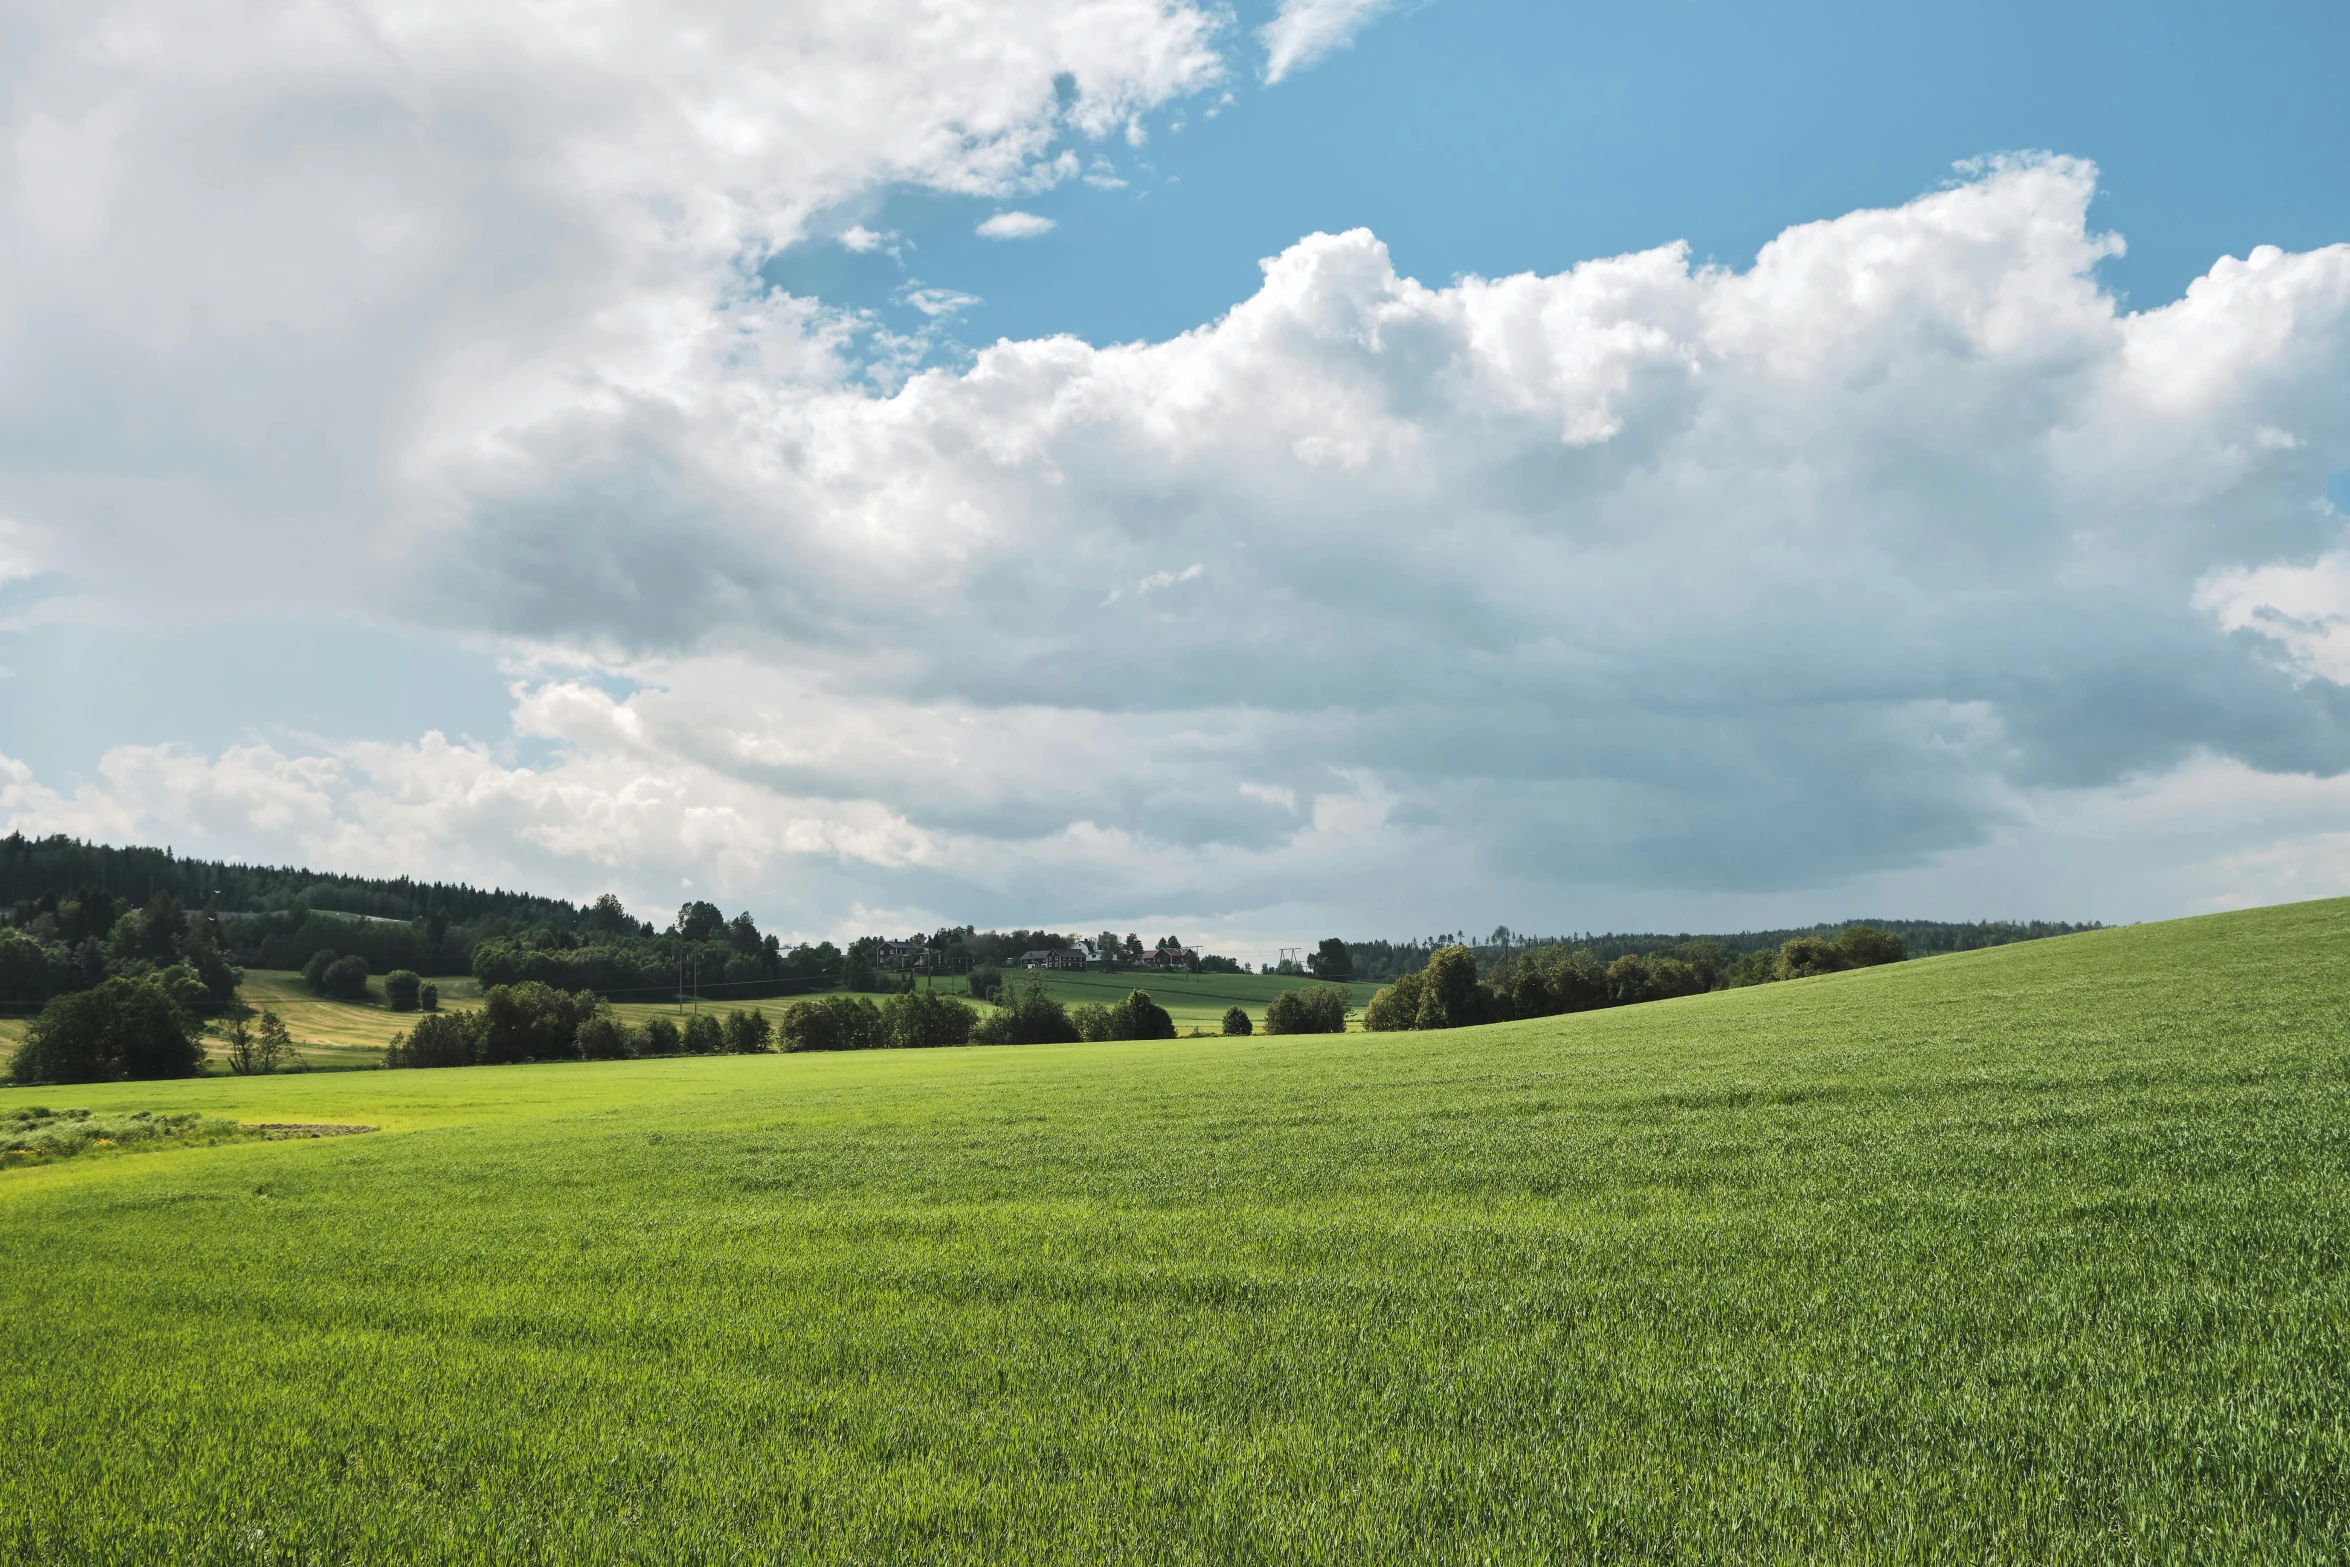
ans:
(1314, 1009)
(908, 1020)
(527, 1022)
(1136, 1017)
(341, 978)
(1025, 1015)
(536, 1022)
(918, 1019)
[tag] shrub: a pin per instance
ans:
(1236, 1021)
(1450, 996)
(833, 1023)
(703, 1036)
(1395, 1008)
(428, 997)
(1315, 1009)
(1145, 1018)
(986, 983)
(603, 1037)
(1865, 946)
(662, 1038)
(1139, 1017)
(748, 1034)
(120, 1029)
(314, 970)
(920, 1019)
(400, 989)
(1025, 1015)
(441, 1039)
(1136, 1017)
(344, 978)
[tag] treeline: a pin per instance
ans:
(56, 946)
(65, 904)
(1385, 960)
(702, 953)
(1544, 981)
(289, 938)
(531, 1021)
(58, 867)
(963, 949)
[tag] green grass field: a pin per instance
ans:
(2028, 1255)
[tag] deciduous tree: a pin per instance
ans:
(1331, 960)
(119, 1029)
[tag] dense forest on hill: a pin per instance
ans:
(60, 867)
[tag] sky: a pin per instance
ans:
(1252, 472)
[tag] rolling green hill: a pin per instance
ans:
(2030, 1254)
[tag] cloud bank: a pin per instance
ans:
(1638, 586)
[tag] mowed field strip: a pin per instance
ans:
(2032, 1254)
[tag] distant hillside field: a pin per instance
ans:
(2030, 1254)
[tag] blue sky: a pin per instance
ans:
(1486, 137)
(535, 460)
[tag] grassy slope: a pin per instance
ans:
(2029, 1254)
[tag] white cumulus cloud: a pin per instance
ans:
(1634, 585)
(1015, 225)
(1302, 31)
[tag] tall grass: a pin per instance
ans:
(2034, 1254)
